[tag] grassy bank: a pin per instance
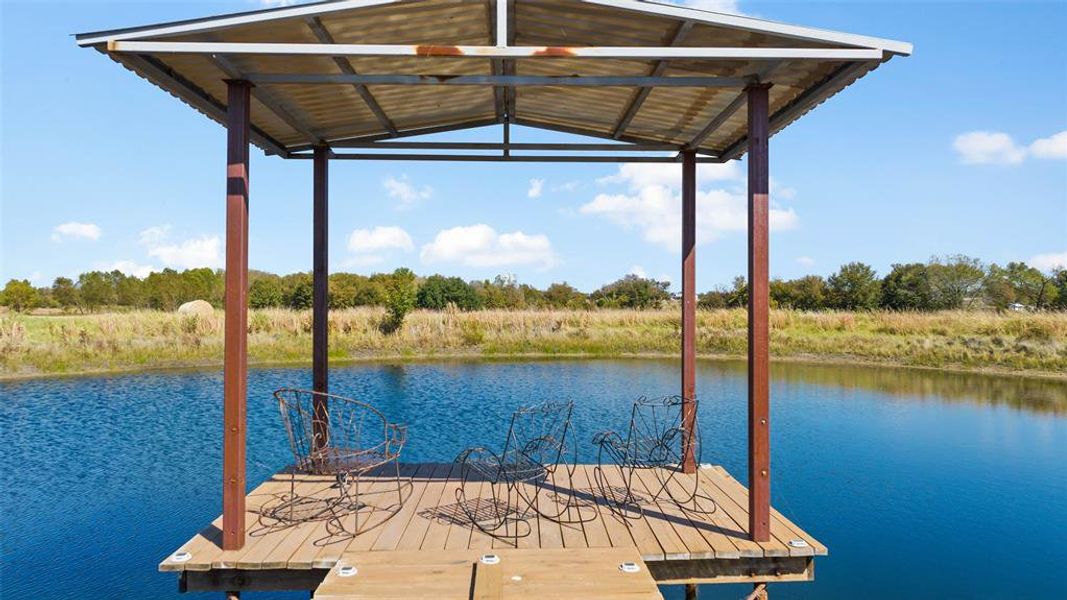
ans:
(1016, 342)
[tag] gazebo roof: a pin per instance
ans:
(353, 71)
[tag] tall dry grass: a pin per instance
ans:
(32, 345)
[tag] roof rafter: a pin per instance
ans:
(346, 67)
(267, 99)
(657, 71)
(730, 109)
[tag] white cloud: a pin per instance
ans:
(1048, 262)
(154, 235)
(995, 147)
(481, 246)
(128, 267)
(639, 175)
(203, 251)
(1052, 147)
(368, 244)
(536, 187)
(653, 205)
(805, 261)
(639, 271)
(988, 147)
(720, 6)
(407, 194)
(75, 230)
(380, 238)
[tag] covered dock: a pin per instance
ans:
(352, 79)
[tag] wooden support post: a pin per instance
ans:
(689, 308)
(320, 294)
(759, 460)
(235, 364)
(692, 591)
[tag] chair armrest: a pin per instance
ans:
(396, 436)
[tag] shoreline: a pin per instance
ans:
(537, 356)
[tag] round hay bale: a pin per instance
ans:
(196, 307)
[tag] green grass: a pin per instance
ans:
(62, 344)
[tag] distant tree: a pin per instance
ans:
(1059, 281)
(502, 292)
(564, 295)
(1018, 282)
(996, 287)
(737, 297)
(163, 290)
(299, 291)
(809, 293)
(632, 291)
(532, 297)
(348, 290)
(400, 294)
(19, 295)
(438, 292)
(855, 286)
(955, 281)
(266, 292)
(64, 293)
(96, 289)
(713, 299)
(130, 291)
(907, 287)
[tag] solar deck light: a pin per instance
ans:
(629, 567)
(347, 571)
(798, 543)
(181, 556)
(490, 559)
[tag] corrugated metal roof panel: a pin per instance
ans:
(341, 111)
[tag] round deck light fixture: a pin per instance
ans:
(347, 571)
(629, 567)
(798, 543)
(489, 559)
(181, 556)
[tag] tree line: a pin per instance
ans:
(954, 282)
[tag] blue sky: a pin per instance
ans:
(961, 148)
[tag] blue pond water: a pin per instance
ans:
(923, 485)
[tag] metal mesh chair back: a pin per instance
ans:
(538, 434)
(331, 434)
(657, 432)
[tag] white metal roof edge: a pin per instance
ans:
(644, 6)
(211, 23)
(758, 25)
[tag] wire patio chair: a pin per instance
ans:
(654, 442)
(539, 446)
(349, 440)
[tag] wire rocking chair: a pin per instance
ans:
(654, 443)
(539, 447)
(350, 440)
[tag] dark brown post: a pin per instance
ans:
(689, 306)
(759, 457)
(320, 293)
(235, 364)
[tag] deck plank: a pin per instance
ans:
(456, 575)
(596, 530)
(664, 533)
(780, 525)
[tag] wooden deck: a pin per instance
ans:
(676, 546)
